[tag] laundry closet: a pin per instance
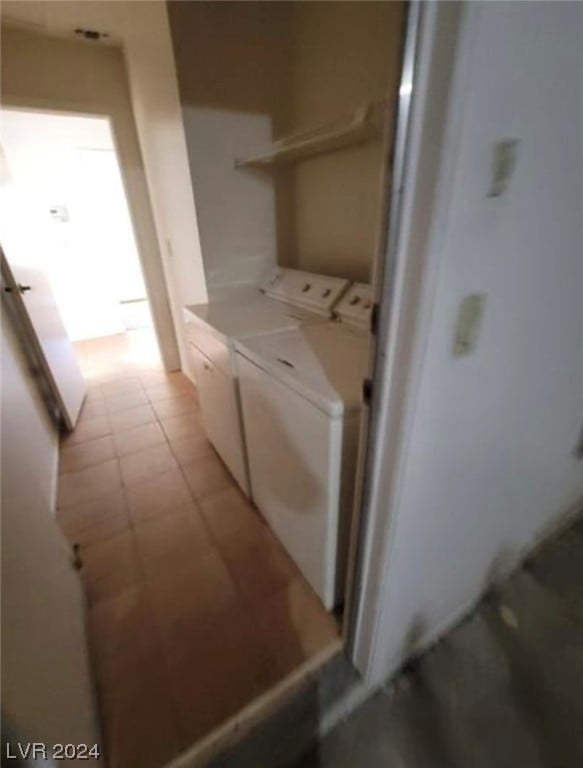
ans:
(289, 111)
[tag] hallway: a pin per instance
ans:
(504, 689)
(194, 608)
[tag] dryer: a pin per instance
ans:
(287, 299)
(301, 401)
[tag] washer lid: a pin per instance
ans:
(325, 363)
(257, 315)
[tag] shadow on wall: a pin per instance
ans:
(283, 453)
(416, 640)
(232, 65)
(251, 72)
(288, 480)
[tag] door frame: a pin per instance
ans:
(141, 216)
(406, 277)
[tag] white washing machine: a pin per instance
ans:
(301, 399)
(287, 299)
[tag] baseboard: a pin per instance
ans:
(237, 728)
(344, 707)
(553, 528)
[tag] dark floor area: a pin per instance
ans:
(502, 690)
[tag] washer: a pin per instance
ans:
(301, 399)
(287, 299)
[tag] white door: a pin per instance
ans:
(35, 305)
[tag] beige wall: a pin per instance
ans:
(344, 55)
(46, 688)
(58, 74)
(154, 92)
(252, 71)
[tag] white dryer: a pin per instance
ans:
(287, 299)
(301, 399)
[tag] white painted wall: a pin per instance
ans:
(237, 207)
(46, 689)
(154, 92)
(486, 463)
(231, 65)
(89, 252)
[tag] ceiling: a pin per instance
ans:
(62, 18)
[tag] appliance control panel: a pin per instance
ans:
(355, 307)
(311, 291)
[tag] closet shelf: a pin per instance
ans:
(364, 124)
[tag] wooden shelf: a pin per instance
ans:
(364, 124)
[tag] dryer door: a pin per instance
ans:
(294, 452)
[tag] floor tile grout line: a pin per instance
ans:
(208, 530)
(241, 596)
(124, 485)
(112, 433)
(240, 599)
(146, 596)
(159, 636)
(194, 497)
(117, 456)
(214, 545)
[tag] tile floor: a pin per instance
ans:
(194, 607)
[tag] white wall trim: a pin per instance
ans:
(403, 328)
(446, 111)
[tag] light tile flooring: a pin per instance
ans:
(194, 607)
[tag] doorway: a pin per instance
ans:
(66, 202)
(268, 625)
